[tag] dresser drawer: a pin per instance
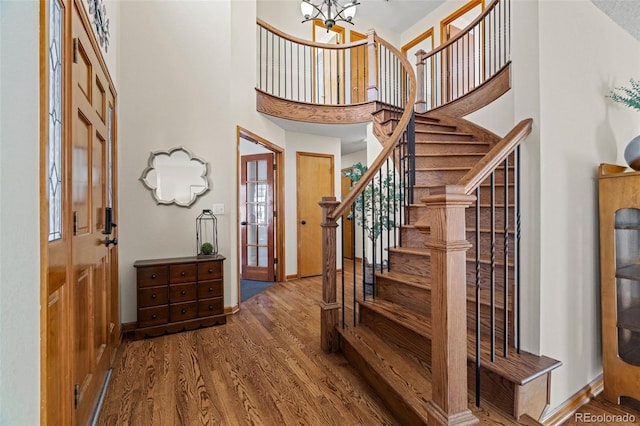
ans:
(152, 296)
(152, 275)
(182, 292)
(183, 311)
(153, 316)
(183, 273)
(210, 307)
(209, 289)
(209, 271)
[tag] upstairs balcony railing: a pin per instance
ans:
(328, 74)
(466, 61)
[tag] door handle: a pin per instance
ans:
(243, 223)
(108, 221)
(108, 242)
(304, 222)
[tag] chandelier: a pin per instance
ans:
(329, 11)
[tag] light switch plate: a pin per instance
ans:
(218, 209)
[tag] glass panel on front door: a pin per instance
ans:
(257, 217)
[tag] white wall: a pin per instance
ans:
(183, 81)
(174, 90)
(575, 128)
(19, 214)
(579, 128)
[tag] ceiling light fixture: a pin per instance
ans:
(329, 11)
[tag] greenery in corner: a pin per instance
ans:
(629, 96)
(382, 194)
(207, 248)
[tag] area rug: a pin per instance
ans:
(249, 288)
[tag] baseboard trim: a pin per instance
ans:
(291, 277)
(230, 310)
(127, 329)
(561, 413)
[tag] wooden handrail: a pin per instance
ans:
(310, 43)
(461, 34)
(500, 151)
(390, 143)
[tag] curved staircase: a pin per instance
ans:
(391, 344)
(439, 336)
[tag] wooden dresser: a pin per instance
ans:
(176, 294)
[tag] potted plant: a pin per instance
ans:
(374, 208)
(206, 249)
(630, 96)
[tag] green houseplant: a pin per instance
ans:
(629, 96)
(374, 208)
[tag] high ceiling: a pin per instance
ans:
(396, 15)
(625, 12)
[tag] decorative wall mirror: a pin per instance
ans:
(175, 176)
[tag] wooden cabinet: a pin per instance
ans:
(620, 281)
(179, 294)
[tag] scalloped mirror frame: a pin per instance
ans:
(186, 178)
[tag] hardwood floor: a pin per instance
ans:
(264, 367)
(601, 412)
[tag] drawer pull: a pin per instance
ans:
(183, 273)
(183, 292)
(154, 276)
(211, 270)
(210, 288)
(154, 296)
(154, 316)
(211, 307)
(184, 311)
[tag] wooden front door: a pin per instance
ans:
(315, 179)
(257, 205)
(93, 273)
(80, 325)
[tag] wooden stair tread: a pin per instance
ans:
(462, 154)
(419, 251)
(463, 142)
(443, 168)
(518, 368)
(411, 250)
(482, 205)
(410, 279)
(425, 283)
(444, 133)
(401, 373)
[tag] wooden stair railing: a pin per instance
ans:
(333, 210)
(448, 244)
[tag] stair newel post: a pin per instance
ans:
(421, 103)
(372, 61)
(448, 245)
(329, 308)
